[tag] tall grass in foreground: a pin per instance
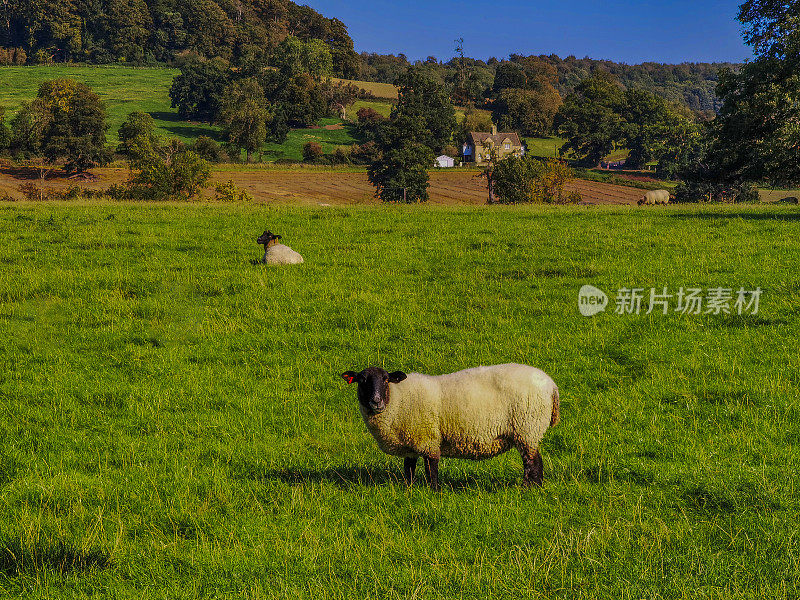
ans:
(174, 426)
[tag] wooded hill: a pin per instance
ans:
(692, 84)
(240, 31)
(159, 31)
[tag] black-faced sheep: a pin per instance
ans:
(276, 253)
(476, 413)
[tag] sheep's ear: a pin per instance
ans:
(349, 376)
(397, 377)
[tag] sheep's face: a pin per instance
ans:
(373, 387)
(268, 239)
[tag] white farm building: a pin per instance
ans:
(444, 162)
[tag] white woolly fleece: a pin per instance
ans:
(280, 254)
(476, 413)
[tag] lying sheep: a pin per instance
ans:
(655, 197)
(477, 413)
(276, 253)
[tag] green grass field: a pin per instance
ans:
(174, 426)
(383, 91)
(329, 139)
(544, 147)
(123, 89)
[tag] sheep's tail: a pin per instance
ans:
(556, 416)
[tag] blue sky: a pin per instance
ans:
(632, 32)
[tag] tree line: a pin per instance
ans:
(163, 31)
(692, 84)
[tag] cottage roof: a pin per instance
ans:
(480, 137)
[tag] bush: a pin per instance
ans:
(340, 156)
(42, 57)
(365, 154)
(311, 151)
(524, 180)
(710, 191)
(207, 149)
(31, 191)
(230, 192)
(179, 178)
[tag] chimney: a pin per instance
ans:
(494, 129)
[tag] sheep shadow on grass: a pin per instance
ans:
(766, 215)
(350, 477)
(17, 558)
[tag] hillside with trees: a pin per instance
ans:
(162, 31)
(692, 84)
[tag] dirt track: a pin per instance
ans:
(329, 187)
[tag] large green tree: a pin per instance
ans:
(591, 118)
(530, 112)
(655, 130)
(244, 116)
(197, 91)
(756, 136)
(137, 138)
(424, 101)
(67, 122)
(421, 124)
(400, 171)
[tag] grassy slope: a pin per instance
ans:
(384, 91)
(126, 89)
(174, 425)
(545, 147)
(123, 89)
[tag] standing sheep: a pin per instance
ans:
(276, 253)
(655, 197)
(477, 413)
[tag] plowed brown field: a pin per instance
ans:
(329, 187)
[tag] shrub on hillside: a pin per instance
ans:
(311, 151)
(13, 56)
(340, 156)
(365, 154)
(207, 149)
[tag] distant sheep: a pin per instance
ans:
(276, 253)
(476, 414)
(655, 197)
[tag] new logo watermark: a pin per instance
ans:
(591, 301)
(687, 301)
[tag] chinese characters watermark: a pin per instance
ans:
(685, 300)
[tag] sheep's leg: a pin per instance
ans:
(533, 467)
(409, 466)
(432, 472)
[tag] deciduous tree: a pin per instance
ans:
(197, 91)
(244, 116)
(591, 118)
(75, 126)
